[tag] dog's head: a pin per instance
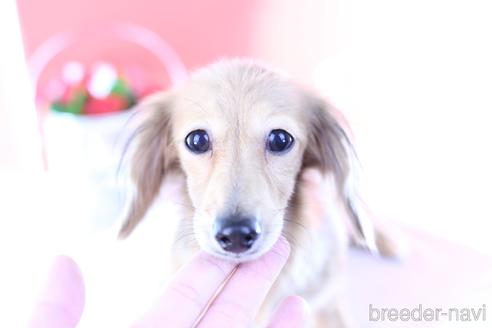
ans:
(240, 134)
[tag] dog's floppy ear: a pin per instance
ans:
(152, 156)
(329, 148)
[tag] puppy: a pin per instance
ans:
(259, 157)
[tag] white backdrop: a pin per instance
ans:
(415, 80)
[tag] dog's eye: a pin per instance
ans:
(279, 141)
(197, 141)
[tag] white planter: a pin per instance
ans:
(83, 155)
(88, 146)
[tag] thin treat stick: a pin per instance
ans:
(214, 297)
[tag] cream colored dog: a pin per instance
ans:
(259, 157)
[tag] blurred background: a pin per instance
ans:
(414, 79)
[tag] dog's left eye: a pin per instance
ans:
(279, 141)
(198, 141)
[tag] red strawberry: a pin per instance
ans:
(107, 105)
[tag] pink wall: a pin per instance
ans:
(290, 34)
(199, 31)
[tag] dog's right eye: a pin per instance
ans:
(197, 141)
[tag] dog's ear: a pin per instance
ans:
(152, 156)
(330, 149)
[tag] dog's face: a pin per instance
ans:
(240, 145)
(240, 134)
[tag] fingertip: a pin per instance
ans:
(62, 301)
(298, 303)
(312, 176)
(63, 265)
(294, 311)
(66, 282)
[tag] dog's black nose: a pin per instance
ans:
(236, 235)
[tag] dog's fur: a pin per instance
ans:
(306, 194)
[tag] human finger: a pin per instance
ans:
(238, 303)
(188, 293)
(62, 301)
(293, 312)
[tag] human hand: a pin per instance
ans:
(62, 301)
(187, 300)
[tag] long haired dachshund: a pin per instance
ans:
(259, 157)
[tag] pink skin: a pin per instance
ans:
(187, 296)
(62, 301)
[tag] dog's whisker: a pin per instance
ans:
(297, 224)
(183, 236)
(185, 241)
